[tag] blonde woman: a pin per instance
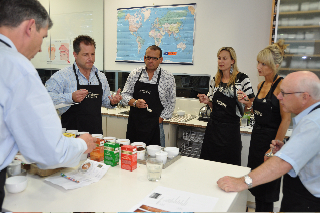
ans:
(271, 122)
(222, 140)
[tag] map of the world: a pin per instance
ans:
(169, 27)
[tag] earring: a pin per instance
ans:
(231, 69)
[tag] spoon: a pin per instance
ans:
(270, 154)
(149, 110)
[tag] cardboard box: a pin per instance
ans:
(128, 157)
(34, 169)
(111, 153)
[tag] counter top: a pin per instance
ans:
(192, 123)
(119, 190)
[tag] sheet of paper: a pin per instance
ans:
(164, 199)
(94, 174)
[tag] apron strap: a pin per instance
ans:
(75, 73)
(5, 43)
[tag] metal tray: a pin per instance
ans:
(168, 163)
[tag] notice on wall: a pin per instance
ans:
(58, 52)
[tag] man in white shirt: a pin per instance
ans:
(300, 157)
(28, 120)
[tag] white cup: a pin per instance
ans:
(123, 141)
(162, 156)
(14, 168)
(110, 139)
(141, 155)
(100, 136)
(64, 130)
(72, 131)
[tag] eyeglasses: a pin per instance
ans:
(153, 58)
(289, 93)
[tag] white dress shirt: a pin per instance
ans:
(28, 120)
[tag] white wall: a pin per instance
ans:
(242, 24)
(72, 18)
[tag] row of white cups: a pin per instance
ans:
(154, 151)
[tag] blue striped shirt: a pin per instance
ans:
(63, 83)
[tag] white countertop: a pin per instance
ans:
(194, 122)
(119, 190)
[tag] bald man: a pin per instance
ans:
(299, 159)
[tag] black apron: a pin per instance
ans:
(85, 116)
(3, 171)
(296, 198)
(222, 139)
(143, 126)
(267, 120)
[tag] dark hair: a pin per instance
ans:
(14, 12)
(87, 40)
(155, 47)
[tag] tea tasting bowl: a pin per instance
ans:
(137, 144)
(172, 151)
(16, 184)
(162, 156)
(153, 149)
(141, 154)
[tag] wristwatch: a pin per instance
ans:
(134, 103)
(248, 181)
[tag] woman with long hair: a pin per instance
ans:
(222, 140)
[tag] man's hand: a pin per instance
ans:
(203, 98)
(160, 120)
(232, 184)
(79, 95)
(116, 98)
(90, 141)
(141, 103)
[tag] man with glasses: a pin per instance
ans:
(150, 91)
(300, 157)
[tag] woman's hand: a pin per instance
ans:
(203, 98)
(242, 97)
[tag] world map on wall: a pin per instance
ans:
(169, 27)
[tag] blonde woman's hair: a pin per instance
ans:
(233, 75)
(273, 55)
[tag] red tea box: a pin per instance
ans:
(128, 157)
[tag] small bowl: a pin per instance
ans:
(16, 184)
(152, 149)
(137, 144)
(172, 151)
(141, 154)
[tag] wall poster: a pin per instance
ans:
(169, 27)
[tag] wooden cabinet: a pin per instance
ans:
(298, 23)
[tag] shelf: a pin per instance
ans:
(299, 12)
(298, 69)
(301, 55)
(298, 27)
(301, 41)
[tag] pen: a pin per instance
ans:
(69, 178)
